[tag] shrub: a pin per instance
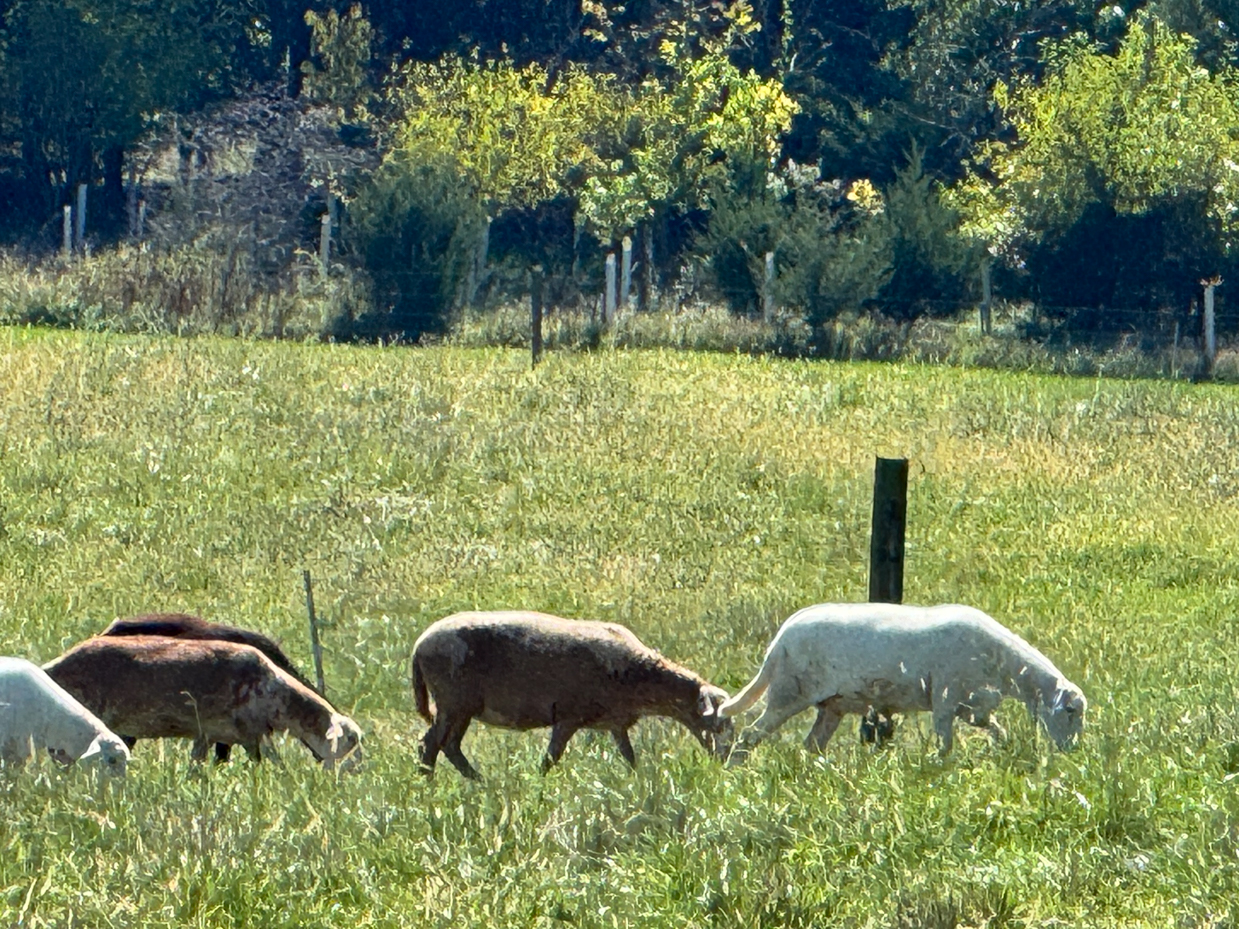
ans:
(418, 236)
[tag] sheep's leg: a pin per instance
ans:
(828, 719)
(451, 749)
(944, 711)
(561, 732)
(223, 751)
(774, 716)
(254, 750)
(978, 712)
(432, 743)
(129, 741)
(199, 752)
(624, 744)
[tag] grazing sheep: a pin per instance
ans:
(37, 714)
(183, 626)
(953, 661)
(523, 670)
(151, 687)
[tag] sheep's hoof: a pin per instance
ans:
(876, 728)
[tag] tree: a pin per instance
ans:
(82, 79)
(1143, 137)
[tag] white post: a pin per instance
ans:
(81, 216)
(1210, 328)
(324, 242)
(987, 298)
(67, 227)
(141, 218)
(608, 308)
(131, 201)
(625, 272)
(767, 290)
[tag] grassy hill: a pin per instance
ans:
(698, 499)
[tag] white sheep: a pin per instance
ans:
(37, 715)
(950, 660)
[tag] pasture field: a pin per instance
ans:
(697, 498)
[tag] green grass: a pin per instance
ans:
(697, 498)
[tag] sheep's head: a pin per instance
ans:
(109, 753)
(1063, 714)
(713, 731)
(342, 744)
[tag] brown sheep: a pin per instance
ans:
(524, 670)
(184, 626)
(151, 687)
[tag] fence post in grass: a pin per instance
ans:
(67, 231)
(131, 201)
(645, 292)
(987, 299)
(608, 307)
(324, 242)
(890, 511)
(535, 311)
(80, 233)
(315, 646)
(625, 272)
(767, 290)
(1210, 332)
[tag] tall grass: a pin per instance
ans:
(697, 498)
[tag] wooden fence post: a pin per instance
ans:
(987, 299)
(645, 293)
(767, 290)
(608, 307)
(625, 272)
(80, 236)
(1210, 324)
(314, 643)
(535, 309)
(890, 511)
(324, 242)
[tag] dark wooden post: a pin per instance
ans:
(535, 307)
(314, 643)
(890, 512)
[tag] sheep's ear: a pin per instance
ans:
(1060, 699)
(335, 732)
(95, 748)
(705, 706)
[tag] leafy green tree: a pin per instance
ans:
(82, 78)
(1143, 135)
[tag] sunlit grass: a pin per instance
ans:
(698, 499)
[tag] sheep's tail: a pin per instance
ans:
(752, 692)
(421, 696)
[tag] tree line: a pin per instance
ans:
(886, 153)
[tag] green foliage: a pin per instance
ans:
(416, 230)
(81, 77)
(522, 136)
(1131, 131)
(341, 45)
(931, 263)
(833, 250)
(698, 499)
(515, 134)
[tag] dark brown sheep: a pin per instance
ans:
(152, 687)
(184, 626)
(523, 670)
